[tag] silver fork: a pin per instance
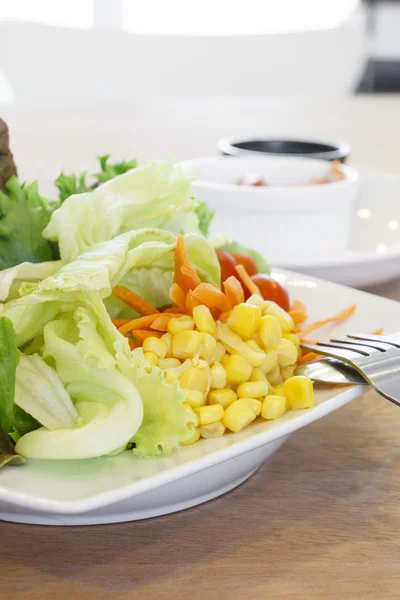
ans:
(376, 358)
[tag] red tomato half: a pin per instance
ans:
(247, 262)
(272, 290)
(227, 263)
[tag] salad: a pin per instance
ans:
(124, 327)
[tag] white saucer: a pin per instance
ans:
(373, 255)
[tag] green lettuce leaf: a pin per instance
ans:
(166, 422)
(24, 213)
(108, 404)
(12, 278)
(14, 421)
(8, 455)
(155, 196)
(205, 215)
(262, 265)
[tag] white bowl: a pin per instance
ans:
(286, 219)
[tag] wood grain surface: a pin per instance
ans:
(321, 520)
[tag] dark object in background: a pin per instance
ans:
(7, 166)
(281, 147)
(380, 77)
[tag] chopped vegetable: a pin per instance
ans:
(233, 290)
(185, 275)
(248, 282)
(134, 301)
(140, 323)
(338, 318)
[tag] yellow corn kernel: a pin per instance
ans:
(279, 391)
(186, 344)
(270, 332)
(208, 347)
(273, 407)
(212, 430)
(255, 405)
(219, 352)
(257, 375)
(203, 319)
(287, 353)
(173, 374)
(167, 339)
(158, 346)
(151, 358)
(209, 414)
(191, 414)
(274, 376)
(285, 320)
(256, 300)
(254, 357)
(292, 337)
(178, 324)
(299, 392)
(194, 398)
(237, 369)
(169, 363)
(252, 389)
(225, 359)
(288, 372)
(224, 397)
(234, 344)
(194, 379)
(244, 319)
(238, 415)
(193, 438)
(253, 345)
(270, 361)
(218, 376)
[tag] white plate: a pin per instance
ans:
(373, 255)
(122, 488)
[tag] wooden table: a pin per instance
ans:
(320, 520)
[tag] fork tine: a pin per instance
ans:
(370, 337)
(327, 349)
(363, 344)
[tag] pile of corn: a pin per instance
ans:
(234, 369)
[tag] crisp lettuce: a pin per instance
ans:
(24, 213)
(155, 196)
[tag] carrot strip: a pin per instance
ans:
(297, 305)
(140, 323)
(208, 294)
(177, 295)
(339, 318)
(298, 316)
(142, 334)
(133, 345)
(161, 323)
(191, 302)
(172, 310)
(185, 274)
(134, 301)
(245, 277)
(308, 357)
(119, 322)
(234, 290)
(378, 331)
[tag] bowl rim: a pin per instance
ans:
(228, 146)
(351, 176)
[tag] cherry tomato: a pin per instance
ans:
(247, 262)
(227, 263)
(272, 290)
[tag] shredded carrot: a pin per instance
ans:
(234, 290)
(298, 316)
(339, 318)
(134, 301)
(245, 277)
(142, 334)
(119, 322)
(172, 310)
(140, 323)
(161, 323)
(177, 295)
(185, 274)
(378, 331)
(297, 305)
(308, 357)
(133, 345)
(208, 294)
(191, 302)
